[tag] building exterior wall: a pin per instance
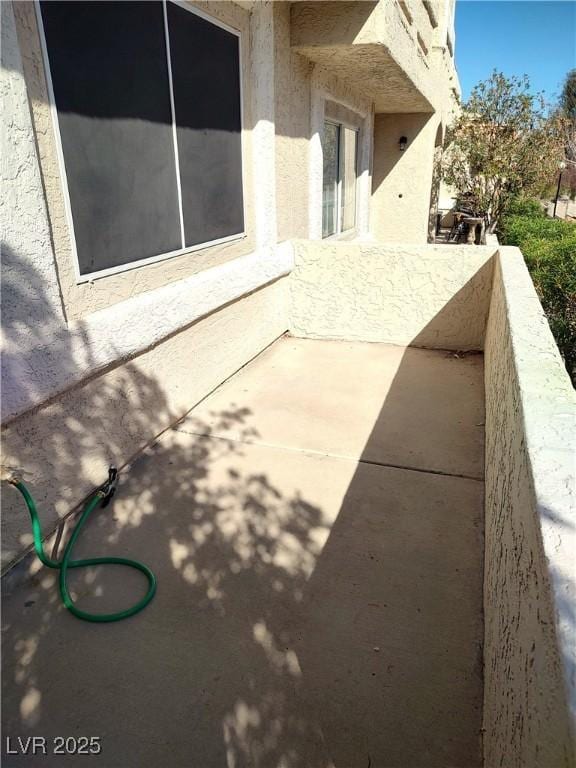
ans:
(66, 340)
(402, 181)
(404, 202)
(373, 44)
(292, 111)
(81, 299)
(93, 372)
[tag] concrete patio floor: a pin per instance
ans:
(316, 526)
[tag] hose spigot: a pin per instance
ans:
(11, 475)
(109, 488)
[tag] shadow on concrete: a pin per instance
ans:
(285, 632)
(207, 675)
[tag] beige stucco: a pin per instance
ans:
(92, 373)
(371, 44)
(292, 113)
(402, 181)
(435, 296)
(530, 575)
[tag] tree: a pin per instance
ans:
(502, 145)
(567, 118)
(568, 95)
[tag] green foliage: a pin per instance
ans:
(503, 144)
(568, 95)
(566, 119)
(525, 206)
(549, 248)
(518, 230)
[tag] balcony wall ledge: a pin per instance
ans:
(530, 574)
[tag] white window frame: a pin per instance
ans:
(339, 231)
(90, 276)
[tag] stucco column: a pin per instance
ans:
(263, 129)
(31, 307)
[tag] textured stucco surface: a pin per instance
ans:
(67, 445)
(402, 181)
(45, 363)
(429, 296)
(292, 80)
(60, 337)
(371, 45)
(530, 574)
(56, 334)
(27, 263)
(59, 350)
(263, 133)
(389, 49)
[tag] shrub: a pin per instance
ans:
(516, 230)
(552, 264)
(524, 206)
(549, 248)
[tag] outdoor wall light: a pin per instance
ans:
(403, 143)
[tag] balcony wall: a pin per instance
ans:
(396, 51)
(369, 44)
(430, 296)
(464, 298)
(530, 574)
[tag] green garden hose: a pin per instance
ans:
(102, 495)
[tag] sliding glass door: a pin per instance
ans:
(339, 147)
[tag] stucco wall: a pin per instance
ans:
(67, 444)
(436, 296)
(77, 331)
(23, 219)
(402, 181)
(372, 45)
(530, 565)
(292, 78)
(51, 343)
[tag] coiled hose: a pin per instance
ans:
(100, 496)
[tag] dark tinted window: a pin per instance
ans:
(111, 82)
(110, 78)
(206, 80)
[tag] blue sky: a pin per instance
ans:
(517, 37)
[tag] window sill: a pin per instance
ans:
(91, 276)
(349, 234)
